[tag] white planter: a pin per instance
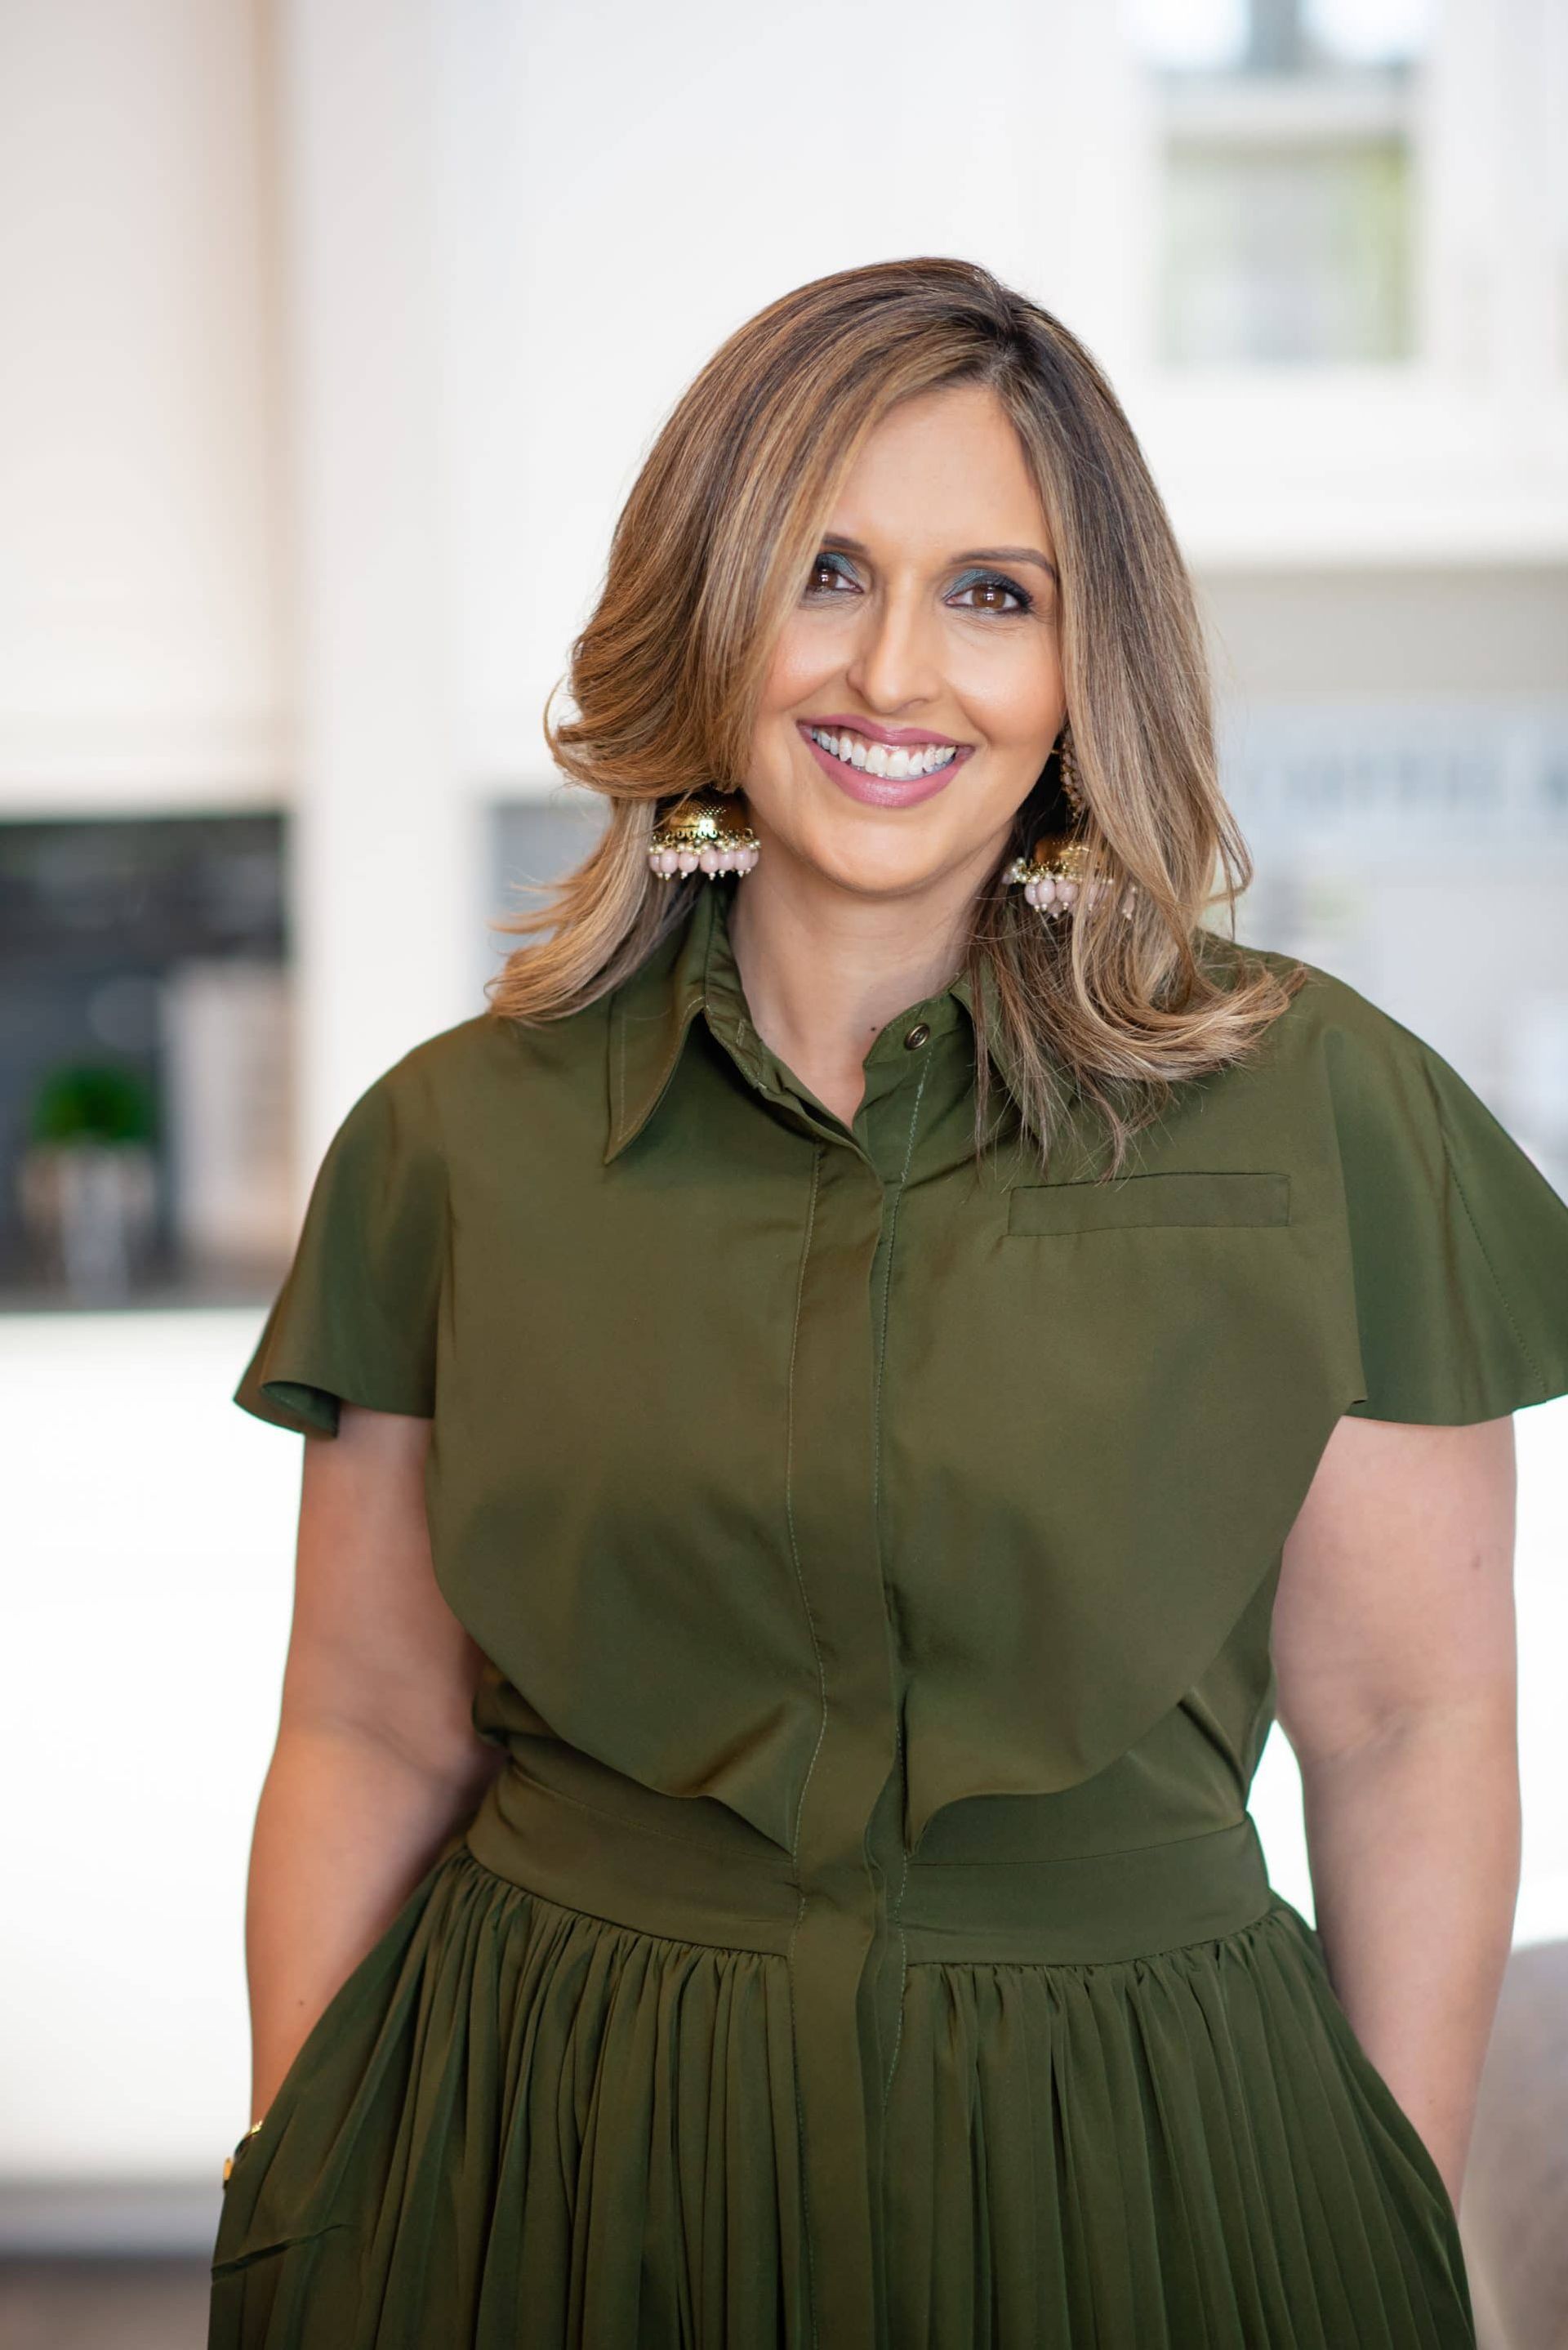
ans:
(89, 1210)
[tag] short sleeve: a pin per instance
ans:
(355, 1318)
(1459, 1243)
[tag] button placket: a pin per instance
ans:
(847, 1973)
(846, 1957)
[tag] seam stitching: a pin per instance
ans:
(875, 1505)
(1110, 1852)
(816, 1157)
(1276, 1911)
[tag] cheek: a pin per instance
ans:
(802, 659)
(1012, 691)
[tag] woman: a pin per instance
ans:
(867, 1456)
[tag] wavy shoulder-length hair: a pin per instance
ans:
(708, 558)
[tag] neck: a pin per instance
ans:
(825, 971)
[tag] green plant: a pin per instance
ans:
(93, 1102)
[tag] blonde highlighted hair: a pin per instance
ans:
(708, 557)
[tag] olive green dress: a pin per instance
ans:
(866, 1943)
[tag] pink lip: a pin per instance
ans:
(882, 791)
(892, 735)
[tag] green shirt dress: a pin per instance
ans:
(866, 1944)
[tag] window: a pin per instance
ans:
(1289, 134)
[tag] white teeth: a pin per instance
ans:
(894, 761)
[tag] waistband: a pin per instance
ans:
(688, 1869)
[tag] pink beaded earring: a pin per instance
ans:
(1054, 874)
(705, 833)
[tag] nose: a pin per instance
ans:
(894, 663)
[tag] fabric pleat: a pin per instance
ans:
(1187, 2149)
(521, 2126)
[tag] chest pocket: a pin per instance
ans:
(1228, 1196)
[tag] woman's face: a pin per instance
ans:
(928, 620)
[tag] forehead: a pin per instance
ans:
(943, 470)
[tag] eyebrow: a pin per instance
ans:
(974, 554)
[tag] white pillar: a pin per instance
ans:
(386, 889)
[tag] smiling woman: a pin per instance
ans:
(869, 1539)
(903, 504)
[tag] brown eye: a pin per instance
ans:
(995, 595)
(828, 574)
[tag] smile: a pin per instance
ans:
(896, 761)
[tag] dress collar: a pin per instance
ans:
(693, 968)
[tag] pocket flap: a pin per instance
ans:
(1229, 1196)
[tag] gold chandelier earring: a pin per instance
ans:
(1055, 875)
(704, 833)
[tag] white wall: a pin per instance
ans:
(141, 654)
(631, 186)
(148, 1528)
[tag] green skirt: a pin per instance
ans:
(594, 2088)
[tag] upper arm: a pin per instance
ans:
(1395, 1591)
(374, 1647)
(348, 1356)
(1395, 1596)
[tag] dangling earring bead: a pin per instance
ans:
(705, 833)
(1054, 877)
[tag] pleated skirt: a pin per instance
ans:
(522, 2125)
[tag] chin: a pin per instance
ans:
(889, 870)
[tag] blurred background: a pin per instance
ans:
(332, 333)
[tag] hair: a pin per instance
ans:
(707, 560)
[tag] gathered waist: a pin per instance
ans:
(689, 1869)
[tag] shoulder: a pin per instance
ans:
(1337, 1082)
(488, 1050)
(1344, 1083)
(452, 1061)
(485, 1083)
(1329, 1024)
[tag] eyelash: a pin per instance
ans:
(828, 560)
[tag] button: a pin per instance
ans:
(916, 1035)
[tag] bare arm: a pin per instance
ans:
(376, 1760)
(1394, 1649)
